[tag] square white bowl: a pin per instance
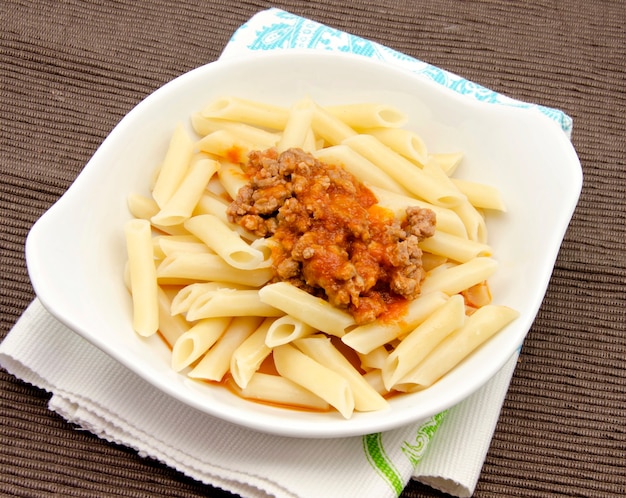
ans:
(76, 250)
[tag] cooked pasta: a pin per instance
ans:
(311, 256)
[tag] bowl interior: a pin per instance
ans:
(76, 251)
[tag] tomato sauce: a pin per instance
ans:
(333, 239)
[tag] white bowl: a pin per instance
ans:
(76, 251)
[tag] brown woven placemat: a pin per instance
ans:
(70, 70)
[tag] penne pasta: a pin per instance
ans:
(457, 278)
(297, 127)
(366, 338)
(287, 329)
(375, 379)
(336, 215)
(479, 195)
(226, 243)
(406, 173)
(330, 128)
(174, 167)
(311, 310)
(189, 267)
(197, 340)
(247, 111)
(278, 390)
(368, 115)
(226, 145)
(185, 297)
(374, 360)
(423, 339)
(183, 200)
(211, 203)
(142, 207)
(216, 361)
(311, 144)
(478, 327)
(320, 348)
(170, 244)
(171, 327)
(447, 161)
(204, 126)
(143, 282)
(473, 221)
(455, 248)
(447, 220)
(230, 302)
(232, 178)
(250, 354)
(360, 167)
(405, 142)
(311, 375)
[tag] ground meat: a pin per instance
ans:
(333, 239)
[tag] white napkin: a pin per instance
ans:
(92, 390)
(98, 394)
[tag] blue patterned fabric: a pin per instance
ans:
(275, 29)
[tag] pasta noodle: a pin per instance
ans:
(171, 327)
(187, 296)
(247, 111)
(142, 207)
(330, 128)
(364, 116)
(174, 166)
(359, 167)
(455, 248)
(447, 219)
(186, 267)
(311, 310)
(421, 341)
(404, 142)
(204, 126)
(212, 275)
(143, 282)
(232, 178)
(320, 380)
(322, 350)
(216, 361)
(366, 338)
(403, 171)
(197, 341)
(250, 354)
(478, 327)
(226, 243)
(447, 161)
(287, 329)
(297, 127)
(281, 391)
(472, 220)
(480, 195)
(457, 278)
(230, 302)
(170, 244)
(183, 200)
(211, 203)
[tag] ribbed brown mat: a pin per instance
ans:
(69, 70)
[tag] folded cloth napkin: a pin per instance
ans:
(98, 394)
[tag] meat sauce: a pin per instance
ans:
(332, 238)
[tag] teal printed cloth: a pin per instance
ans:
(98, 394)
(276, 29)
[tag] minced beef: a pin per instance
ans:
(333, 239)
